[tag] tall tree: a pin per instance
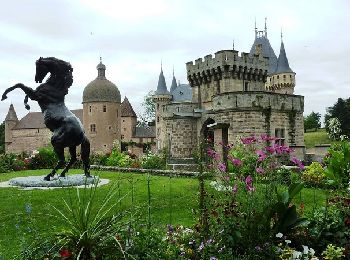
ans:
(312, 121)
(340, 110)
(2, 137)
(149, 110)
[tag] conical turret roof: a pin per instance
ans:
(11, 114)
(161, 87)
(266, 51)
(126, 109)
(282, 62)
(173, 85)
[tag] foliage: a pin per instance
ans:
(244, 210)
(12, 162)
(98, 159)
(153, 161)
(90, 230)
(120, 159)
(341, 111)
(314, 175)
(312, 121)
(338, 164)
(334, 128)
(149, 110)
(2, 138)
(43, 158)
(333, 253)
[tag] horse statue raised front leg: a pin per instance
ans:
(66, 127)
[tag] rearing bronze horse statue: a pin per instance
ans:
(66, 127)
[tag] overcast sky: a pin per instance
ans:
(133, 37)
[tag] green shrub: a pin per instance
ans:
(119, 159)
(314, 175)
(153, 161)
(44, 158)
(98, 159)
(11, 162)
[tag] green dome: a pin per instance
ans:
(101, 89)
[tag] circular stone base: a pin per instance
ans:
(38, 181)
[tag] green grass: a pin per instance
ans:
(172, 202)
(316, 138)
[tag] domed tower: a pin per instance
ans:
(161, 97)
(11, 121)
(283, 79)
(101, 112)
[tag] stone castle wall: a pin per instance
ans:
(27, 140)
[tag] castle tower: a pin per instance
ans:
(283, 79)
(101, 112)
(161, 97)
(173, 84)
(129, 120)
(11, 121)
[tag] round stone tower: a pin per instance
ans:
(161, 97)
(101, 112)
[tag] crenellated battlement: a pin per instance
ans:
(227, 57)
(227, 63)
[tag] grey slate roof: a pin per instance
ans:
(173, 85)
(145, 131)
(161, 87)
(126, 109)
(11, 114)
(267, 51)
(282, 62)
(101, 89)
(183, 92)
(35, 120)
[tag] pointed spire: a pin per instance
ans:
(281, 35)
(127, 109)
(161, 87)
(265, 27)
(256, 29)
(173, 83)
(101, 69)
(282, 61)
(233, 44)
(11, 114)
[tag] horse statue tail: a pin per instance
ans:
(85, 155)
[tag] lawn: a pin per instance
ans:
(315, 138)
(172, 202)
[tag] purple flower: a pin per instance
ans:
(270, 149)
(266, 137)
(261, 154)
(248, 140)
(235, 188)
(213, 258)
(170, 228)
(260, 170)
(222, 167)
(236, 162)
(249, 184)
(201, 246)
(297, 162)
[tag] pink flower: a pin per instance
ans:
(212, 154)
(222, 167)
(248, 140)
(236, 162)
(270, 149)
(260, 170)
(235, 188)
(266, 137)
(261, 154)
(249, 184)
(297, 162)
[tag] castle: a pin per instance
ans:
(106, 120)
(228, 95)
(232, 95)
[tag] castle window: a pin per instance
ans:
(158, 119)
(178, 109)
(123, 120)
(157, 106)
(92, 128)
(246, 86)
(90, 109)
(104, 108)
(163, 108)
(290, 76)
(38, 131)
(122, 136)
(280, 135)
(109, 127)
(278, 76)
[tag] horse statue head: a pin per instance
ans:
(60, 72)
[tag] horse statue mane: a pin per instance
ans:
(66, 127)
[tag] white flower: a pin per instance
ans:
(296, 255)
(279, 235)
(312, 252)
(306, 250)
(287, 241)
